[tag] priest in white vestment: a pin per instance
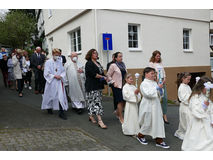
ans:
(76, 82)
(54, 97)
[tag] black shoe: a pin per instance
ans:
(62, 116)
(50, 111)
(165, 121)
(74, 109)
(41, 92)
(80, 111)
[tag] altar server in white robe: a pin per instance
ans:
(54, 97)
(132, 97)
(184, 92)
(76, 81)
(199, 133)
(150, 112)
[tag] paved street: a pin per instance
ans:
(24, 126)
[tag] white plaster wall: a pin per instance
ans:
(61, 38)
(59, 16)
(161, 33)
(194, 14)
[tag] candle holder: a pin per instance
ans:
(136, 77)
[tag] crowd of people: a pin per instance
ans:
(139, 110)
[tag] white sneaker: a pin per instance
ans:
(30, 87)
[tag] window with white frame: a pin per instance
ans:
(50, 13)
(187, 45)
(211, 39)
(133, 36)
(76, 40)
(211, 63)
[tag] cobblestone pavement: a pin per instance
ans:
(58, 139)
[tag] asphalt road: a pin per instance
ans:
(25, 113)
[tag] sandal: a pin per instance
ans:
(102, 125)
(121, 121)
(92, 119)
(20, 95)
(115, 113)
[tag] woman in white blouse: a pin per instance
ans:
(156, 63)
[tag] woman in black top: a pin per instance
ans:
(4, 69)
(94, 85)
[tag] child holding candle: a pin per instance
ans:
(150, 113)
(132, 96)
(199, 133)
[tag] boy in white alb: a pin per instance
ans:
(150, 112)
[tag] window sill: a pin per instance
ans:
(188, 51)
(135, 50)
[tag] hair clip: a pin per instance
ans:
(197, 79)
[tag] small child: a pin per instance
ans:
(184, 92)
(150, 112)
(28, 75)
(132, 97)
(199, 133)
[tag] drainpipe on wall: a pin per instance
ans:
(96, 36)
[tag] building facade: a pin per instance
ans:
(182, 36)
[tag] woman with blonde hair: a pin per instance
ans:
(19, 63)
(156, 63)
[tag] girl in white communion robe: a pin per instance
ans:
(132, 97)
(184, 92)
(199, 133)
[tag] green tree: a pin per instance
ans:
(17, 29)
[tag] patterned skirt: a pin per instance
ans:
(94, 102)
(11, 76)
